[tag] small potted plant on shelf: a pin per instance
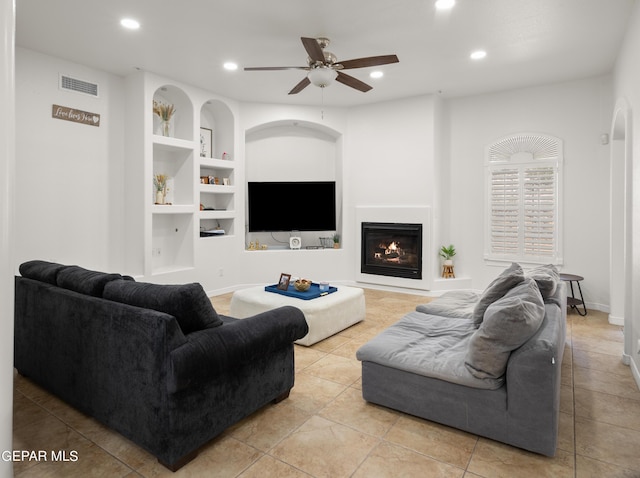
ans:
(165, 112)
(336, 241)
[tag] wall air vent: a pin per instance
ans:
(79, 86)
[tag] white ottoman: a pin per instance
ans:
(325, 315)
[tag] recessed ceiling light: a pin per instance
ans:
(130, 23)
(478, 55)
(230, 66)
(376, 74)
(445, 4)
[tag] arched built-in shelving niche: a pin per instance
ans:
(217, 168)
(216, 116)
(294, 150)
(181, 124)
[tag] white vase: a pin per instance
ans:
(448, 262)
(159, 197)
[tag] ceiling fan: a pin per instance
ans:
(323, 66)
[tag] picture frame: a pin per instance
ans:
(206, 142)
(283, 283)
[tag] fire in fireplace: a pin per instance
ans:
(392, 249)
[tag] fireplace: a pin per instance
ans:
(392, 249)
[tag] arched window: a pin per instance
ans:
(523, 194)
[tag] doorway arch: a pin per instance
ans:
(620, 276)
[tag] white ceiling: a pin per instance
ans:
(528, 42)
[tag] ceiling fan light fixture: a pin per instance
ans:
(322, 76)
(376, 74)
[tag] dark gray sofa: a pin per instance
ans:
(154, 362)
(457, 360)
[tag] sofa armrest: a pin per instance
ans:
(533, 385)
(209, 352)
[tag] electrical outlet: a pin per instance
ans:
(156, 252)
(221, 272)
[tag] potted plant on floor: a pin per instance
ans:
(447, 254)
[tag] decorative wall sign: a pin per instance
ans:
(77, 116)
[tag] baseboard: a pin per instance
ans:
(634, 371)
(613, 320)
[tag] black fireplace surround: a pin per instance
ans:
(392, 249)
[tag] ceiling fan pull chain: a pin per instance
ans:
(322, 103)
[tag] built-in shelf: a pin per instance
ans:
(172, 209)
(173, 144)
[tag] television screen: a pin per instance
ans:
(292, 206)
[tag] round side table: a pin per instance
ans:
(573, 301)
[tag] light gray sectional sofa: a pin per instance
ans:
(485, 363)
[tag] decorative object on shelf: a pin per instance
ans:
(302, 285)
(226, 181)
(336, 241)
(283, 283)
(206, 142)
(225, 155)
(256, 246)
(447, 266)
(295, 242)
(165, 112)
(160, 185)
(326, 242)
(204, 179)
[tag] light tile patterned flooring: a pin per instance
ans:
(325, 429)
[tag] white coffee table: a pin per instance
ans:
(326, 315)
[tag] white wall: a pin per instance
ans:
(69, 178)
(627, 89)
(7, 175)
(578, 112)
(421, 151)
(391, 160)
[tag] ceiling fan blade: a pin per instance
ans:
(313, 49)
(369, 61)
(273, 68)
(352, 82)
(300, 86)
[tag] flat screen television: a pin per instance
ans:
(292, 206)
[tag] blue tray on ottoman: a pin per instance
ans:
(313, 292)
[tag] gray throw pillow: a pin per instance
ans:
(502, 284)
(547, 278)
(508, 323)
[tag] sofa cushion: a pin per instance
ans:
(84, 281)
(502, 284)
(455, 304)
(546, 277)
(41, 270)
(188, 303)
(508, 323)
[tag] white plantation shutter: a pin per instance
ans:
(505, 211)
(523, 197)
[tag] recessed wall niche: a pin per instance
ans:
(293, 151)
